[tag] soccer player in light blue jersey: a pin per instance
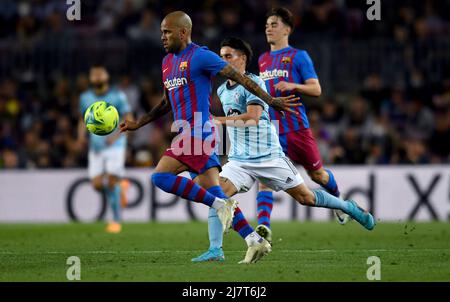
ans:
(256, 153)
(106, 157)
(187, 72)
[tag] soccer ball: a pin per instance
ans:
(101, 118)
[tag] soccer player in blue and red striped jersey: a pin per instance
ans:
(287, 70)
(187, 73)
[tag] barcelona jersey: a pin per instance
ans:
(290, 65)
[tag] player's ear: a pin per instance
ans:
(183, 33)
(288, 30)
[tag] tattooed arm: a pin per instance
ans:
(159, 110)
(278, 103)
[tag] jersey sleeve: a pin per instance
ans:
(82, 104)
(124, 107)
(208, 61)
(252, 99)
(305, 66)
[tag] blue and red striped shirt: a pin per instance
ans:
(291, 65)
(187, 77)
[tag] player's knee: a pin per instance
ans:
(319, 176)
(97, 184)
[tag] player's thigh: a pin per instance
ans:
(302, 194)
(238, 179)
(227, 186)
(115, 163)
(169, 164)
(263, 187)
(277, 174)
(96, 169)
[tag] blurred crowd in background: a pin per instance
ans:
(386, 83)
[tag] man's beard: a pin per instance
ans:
(175, 48)
(99, 85)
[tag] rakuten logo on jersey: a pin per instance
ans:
(175, 83)
(273, 74)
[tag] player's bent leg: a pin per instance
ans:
(325, 178)
(302, 194)
(166, 179)
(227, 186)
(323, 199)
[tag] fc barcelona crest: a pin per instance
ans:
(183, 66)
(286, 60)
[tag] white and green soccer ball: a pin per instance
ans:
(101, 118)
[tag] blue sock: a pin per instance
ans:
(324, 199)
(215, 232)
(218, 192)
(331, 186)
(113, 197)
(183, 187)
(264, 203)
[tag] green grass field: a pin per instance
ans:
(162, 252)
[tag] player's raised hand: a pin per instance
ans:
(285, 103)
(128, 125)
(285, 86)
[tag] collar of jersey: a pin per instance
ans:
(229, 87)
(276, 52)
(188, 47)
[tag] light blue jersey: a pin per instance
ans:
(114, 97)
(255, 143)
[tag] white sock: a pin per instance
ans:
(218, 203)
(253, 238)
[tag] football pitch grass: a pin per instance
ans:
(162, 252)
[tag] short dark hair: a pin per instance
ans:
(240, 45)
(284, 14)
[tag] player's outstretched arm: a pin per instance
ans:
(311, 87)
(247, 119)
(278, 103)
(159, 110)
